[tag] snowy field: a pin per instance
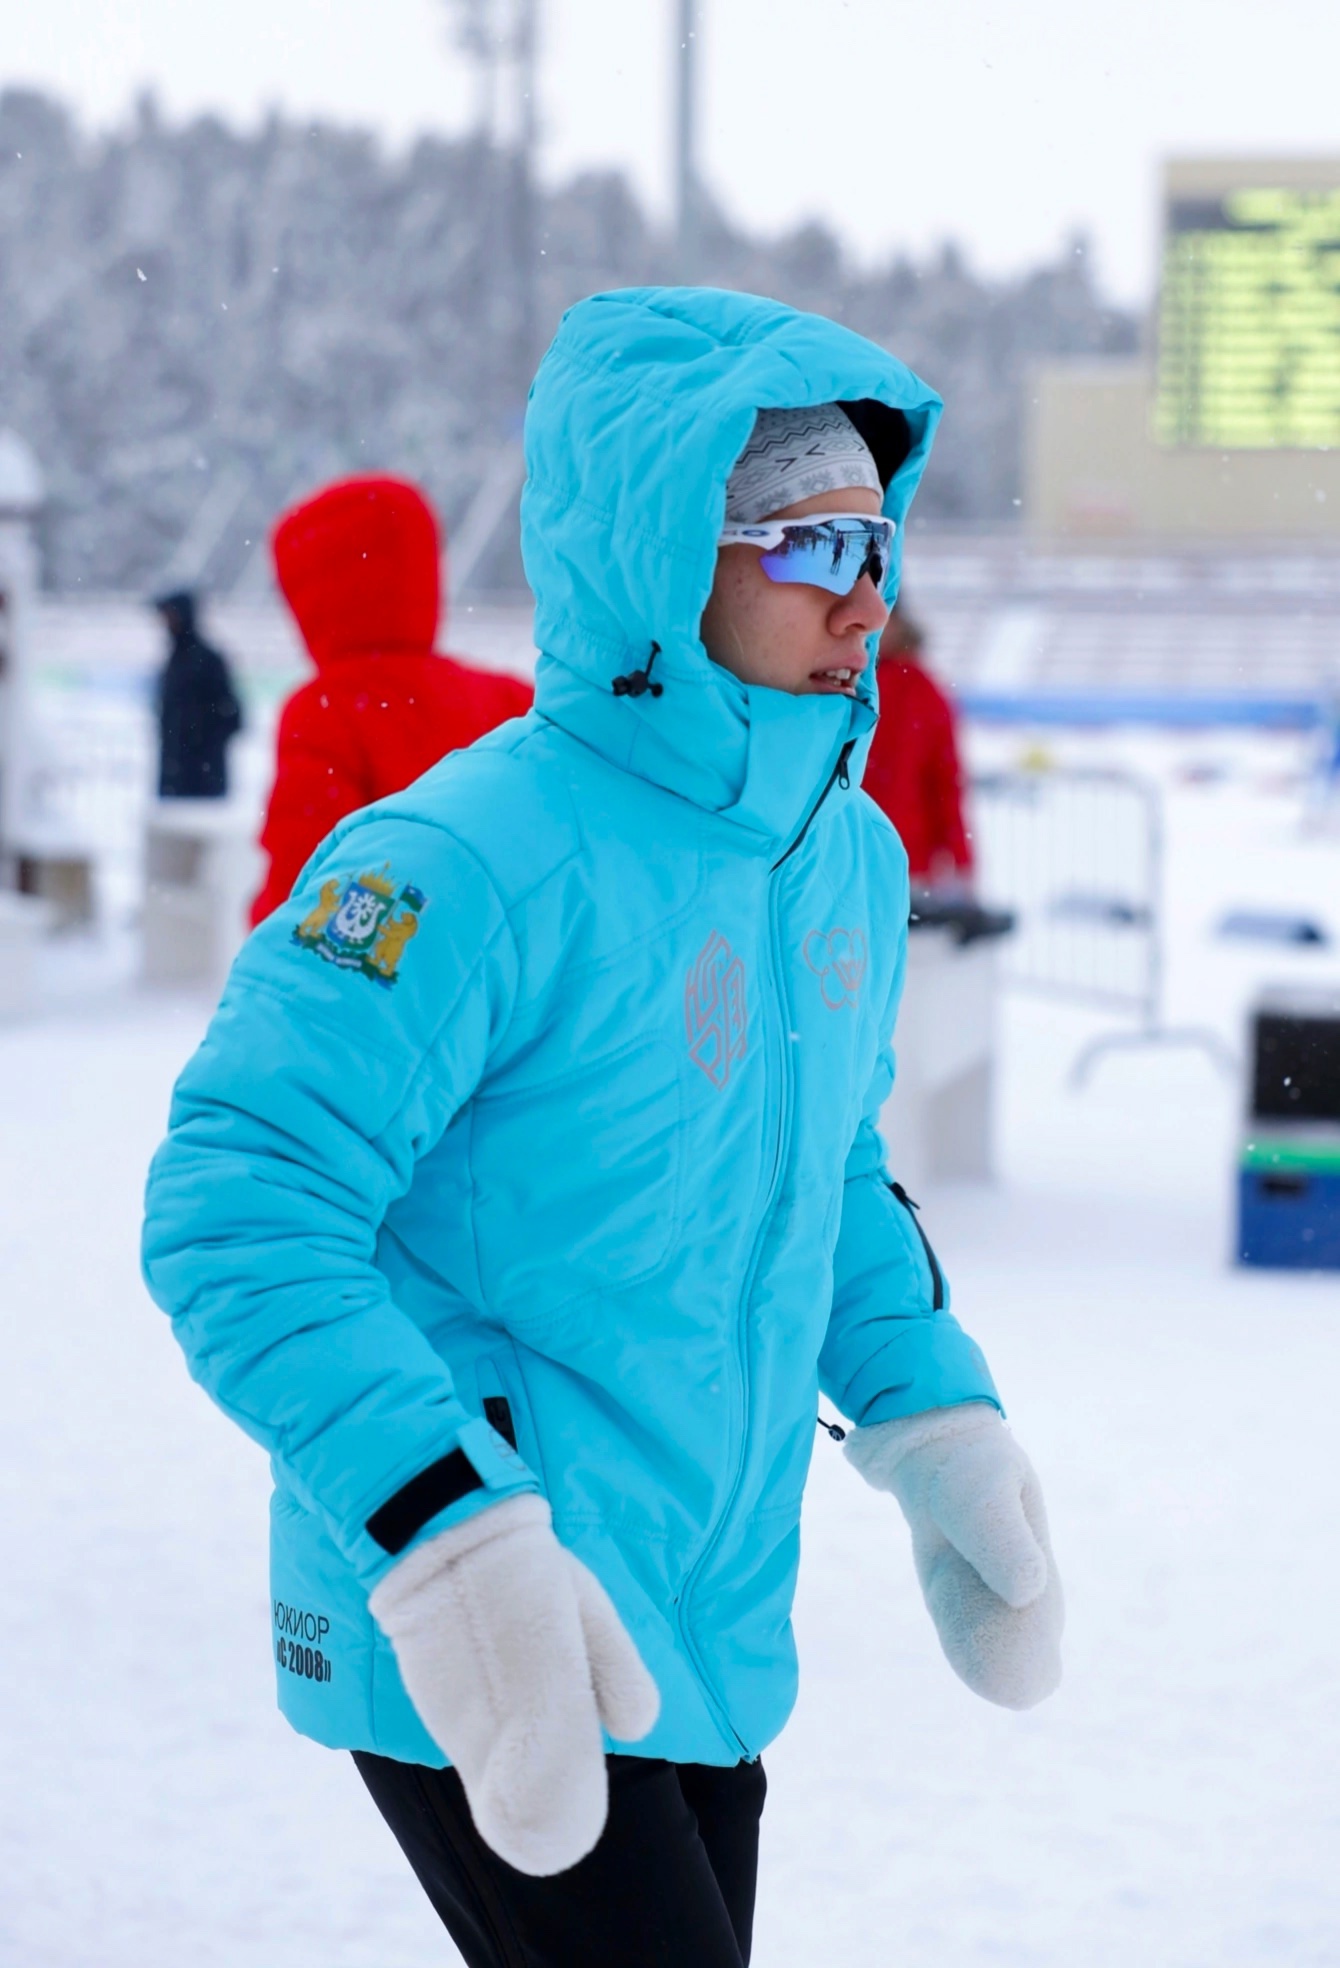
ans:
(1175, 1806)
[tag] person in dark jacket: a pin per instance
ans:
(198, 708)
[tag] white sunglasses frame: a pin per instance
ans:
(770, 533)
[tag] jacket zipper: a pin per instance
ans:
(838, 776)
(937, 1275)
(742, 1352)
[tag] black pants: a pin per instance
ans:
(670, 1885)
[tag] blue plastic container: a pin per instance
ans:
(1289, 1217)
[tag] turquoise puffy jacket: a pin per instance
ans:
(533, 1143)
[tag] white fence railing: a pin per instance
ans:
(1077, 856)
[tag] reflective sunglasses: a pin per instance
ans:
(825, 550)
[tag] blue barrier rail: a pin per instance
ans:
(1171, 709)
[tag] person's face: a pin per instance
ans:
(786, 635)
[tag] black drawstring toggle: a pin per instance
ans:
(638, 682)
(833, 1428)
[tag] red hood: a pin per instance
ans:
(359, 565)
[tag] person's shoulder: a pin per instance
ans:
(503, 801)
(927, 693)
(879, 837)
(503, 693)
(912, 684)
(207, 654)
(309, 699)
(316, 717)
(874, 823)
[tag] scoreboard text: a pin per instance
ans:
(1249, 321)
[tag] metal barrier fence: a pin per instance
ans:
(94, 771)
(91, 782)
(90, 770)
(1077, 855)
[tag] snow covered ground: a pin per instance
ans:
(1175, 1805)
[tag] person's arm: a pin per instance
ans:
(298, 1122)
(324, 1079)
(231, 714)
(929, 1431)
(320, 778)
(221, 709)
(893, 1347)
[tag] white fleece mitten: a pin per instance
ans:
(979, 1539)
(514, 1656)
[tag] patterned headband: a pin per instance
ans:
(791, 455)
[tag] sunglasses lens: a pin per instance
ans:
(832, 557)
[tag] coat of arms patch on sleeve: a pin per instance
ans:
(355, 924)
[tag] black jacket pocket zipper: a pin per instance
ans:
(937, 1275)
(498, 1415)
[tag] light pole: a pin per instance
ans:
(500, 37)
(686, 139)
(21, 498)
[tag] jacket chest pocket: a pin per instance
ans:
(576, 1182)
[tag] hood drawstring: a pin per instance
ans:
(637, 682)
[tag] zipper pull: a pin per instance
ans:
(844, 756)
(903, 1197)
(833, 1428)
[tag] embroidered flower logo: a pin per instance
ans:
(715, 1017)
(837, 958)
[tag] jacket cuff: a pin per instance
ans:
(479, 1470)
(930, 1363)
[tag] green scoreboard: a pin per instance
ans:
(1249, 309)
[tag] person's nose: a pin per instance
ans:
(864, 608)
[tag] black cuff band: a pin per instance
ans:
(404, 1515)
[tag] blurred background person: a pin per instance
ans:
(913, 773)
(198, 708)
(359, 565)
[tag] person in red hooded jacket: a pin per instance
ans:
(359, 566)
(913, 772)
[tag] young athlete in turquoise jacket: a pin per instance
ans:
(526, 1190)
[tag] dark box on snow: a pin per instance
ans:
(1289, 1172)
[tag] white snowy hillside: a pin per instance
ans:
(1176, 1805)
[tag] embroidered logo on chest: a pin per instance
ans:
(715, 1016)
(837, 958)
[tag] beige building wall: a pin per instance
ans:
(1093, 471)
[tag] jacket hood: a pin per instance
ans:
(359, 565)
(640, 408)
(178, 609)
